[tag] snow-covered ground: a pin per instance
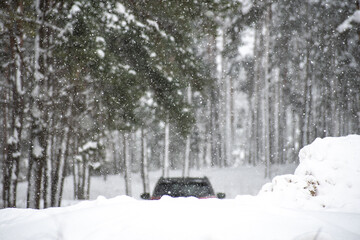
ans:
(320, 201)
(166, 219)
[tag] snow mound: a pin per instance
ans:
(328, 176)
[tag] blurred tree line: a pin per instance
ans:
(108, 87)
(304, 78)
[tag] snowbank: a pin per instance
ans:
(176, 219)
(328, 176)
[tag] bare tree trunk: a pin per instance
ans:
(208, 136)
(15, 73)
(250, 132)
(222, 99)
(38, 159)
(38, 133)
(127, 167)
(307, 101)
(166, 150)
(232, 112)
(282, 115)
(75, 169)
(358, 8)
(59, 168)
(228, 126)
(63, 174)
(215, 108)
(55, 173)
(186, 167)
(88, 179)
(84, 171)
(48, 168)
(257, 123)
(114, 142)
(5, 190)
(144, 162)
(266, 106)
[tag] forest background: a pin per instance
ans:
(115, 87)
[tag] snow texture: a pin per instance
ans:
(154, 24)
(356, 16)
(88, 146)
(100, 53)
(74, 9)
(37, 149)
(171, 219)
(14, 139)
(100, 39)
(346, 25)
(328, 176)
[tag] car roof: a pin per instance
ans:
(183, 179)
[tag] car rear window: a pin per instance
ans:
(183, 189)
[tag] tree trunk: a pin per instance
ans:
(5, 190)
(250, 132)
(228, 135)
(166, 150)
(63, 174)
(75, 169)
(15, 76)
(127, 167)
(144, 162)
(215, 105)
(307, 101)
(38, 133)
(266, 107)
(257, 123)
(186, 166)
(88, 181)
(59, 168)
(222, 99)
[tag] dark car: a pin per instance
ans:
(183, 187)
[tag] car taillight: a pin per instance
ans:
(207, 197)
(154, 198)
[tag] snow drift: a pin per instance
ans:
(176, 219)
(328, 176)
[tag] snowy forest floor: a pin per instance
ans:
(242, 180)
